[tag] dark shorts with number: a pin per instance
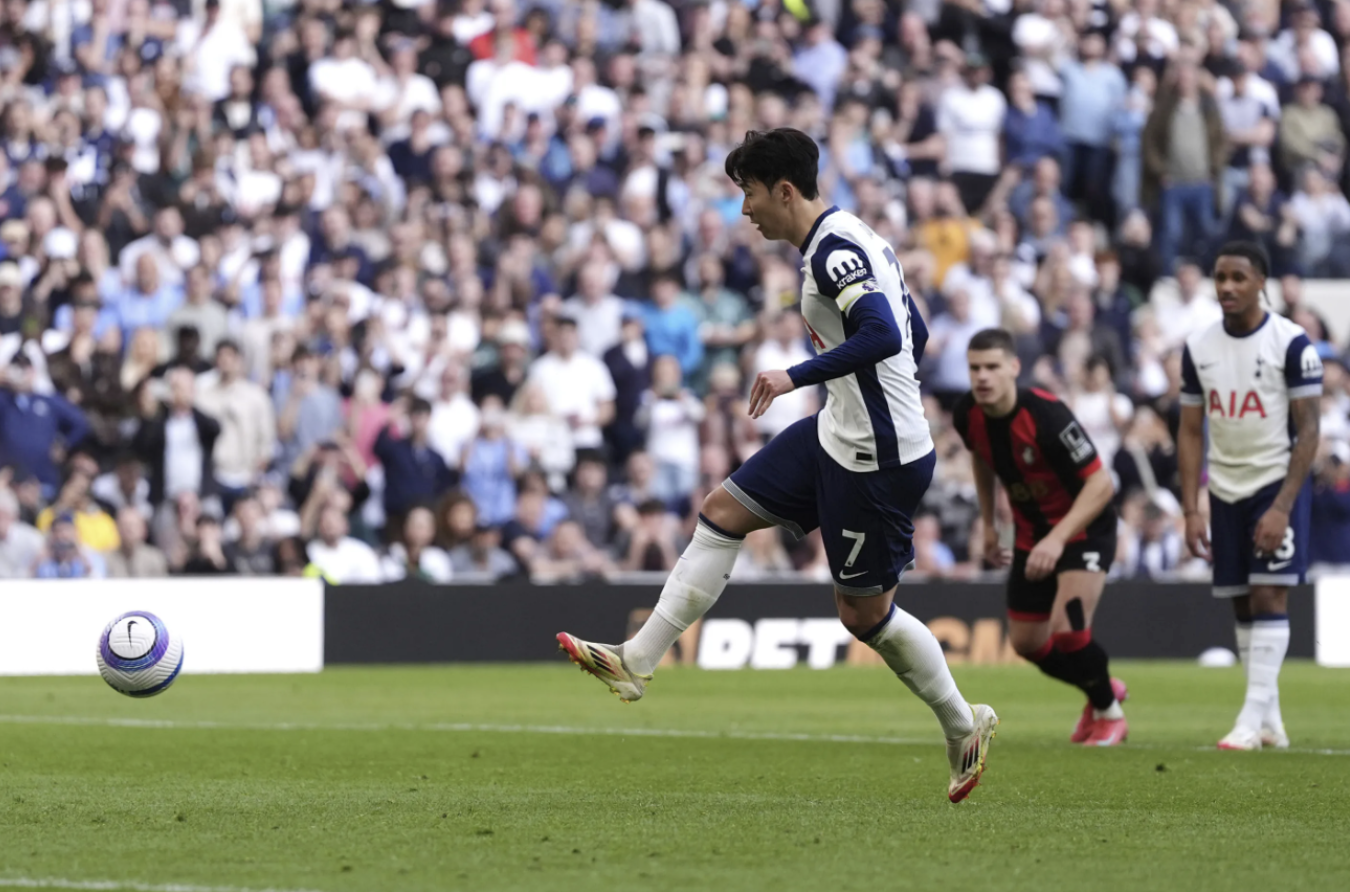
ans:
(865, 519)
(1232, 534)
(1032, 600)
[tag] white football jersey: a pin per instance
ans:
(1245, 383)
(872, 418)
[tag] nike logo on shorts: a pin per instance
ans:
(1278, 565)
(852, 575)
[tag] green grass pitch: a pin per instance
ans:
(490, 778)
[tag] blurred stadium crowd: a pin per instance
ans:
(458, 288)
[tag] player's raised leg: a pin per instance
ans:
(776, 486)
(692, 588)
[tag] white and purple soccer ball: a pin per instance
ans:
(137, 655)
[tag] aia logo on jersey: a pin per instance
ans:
(845, 267)
(1251, 405)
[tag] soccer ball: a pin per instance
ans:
(137, 656)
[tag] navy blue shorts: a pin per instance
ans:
(1232, 527)
(865, 519)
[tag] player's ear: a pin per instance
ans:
(1016, 365)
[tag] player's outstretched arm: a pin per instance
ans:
(877, 337)
(1306, 415)
(1092, 499)
(1190, 453)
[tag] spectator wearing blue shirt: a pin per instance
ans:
(821, 61)
(414, 473)
(492, 462)
(1094, 89)
(1043, 183)
(672, 328)
(64, 557)
(32, 423)
(1031, 130)
(84, 295)
(148, 302)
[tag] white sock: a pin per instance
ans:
(1111, 712)
(692, 588)
(1243, 632)
(1269, 642)
(916, 657)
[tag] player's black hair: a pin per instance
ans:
(418, 406)
(1251, 250)
(993, 339)
(768, 156)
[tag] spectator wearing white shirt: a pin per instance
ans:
(211, 50)
(20, 543)
(1323, 216)
(415, 555)
(970, 118)
(454, 417)
(342, 559)
(1250, 108)
(671, 415)
(248, 435)
(345, 80)
(1193, 309)
(404, 91)
(1303, 42)
(576, 385)
(948, 336)
(782, 349)
(1145, 37)
(598, 311)
(172, 251)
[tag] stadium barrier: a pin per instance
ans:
(294, 625)
(227, 624)
(765, 626)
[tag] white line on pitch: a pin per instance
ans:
(461, 727)
(118, 885)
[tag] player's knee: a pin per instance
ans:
(861, 616)
(715, 506)
(1267, 599)
(1028, 642)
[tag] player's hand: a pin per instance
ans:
(995, 555)
(768, 387)
(1197, 535)
(1044, 558)
(1270, 530)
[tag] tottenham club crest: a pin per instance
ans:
(845, 267)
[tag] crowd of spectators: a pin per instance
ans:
(449, 289)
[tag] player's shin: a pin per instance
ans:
(691, 590)
(915, 656)
(1092, 668)
(1269, 643)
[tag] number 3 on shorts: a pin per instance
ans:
(858, 540)
(1092, 561)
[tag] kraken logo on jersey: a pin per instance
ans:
(845, 267)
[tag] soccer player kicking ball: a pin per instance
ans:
(1066, 528)
(1258, 379)
(857, 469)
